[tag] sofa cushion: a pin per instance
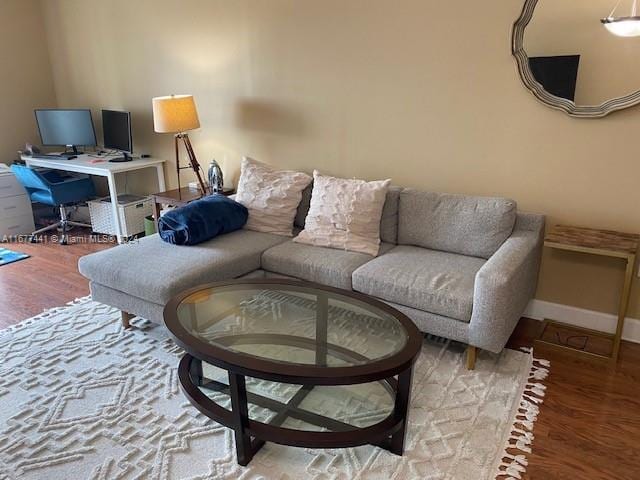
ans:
(388, 222)
(155, 271)
(328, 266)
(429, 280)
(475, 226)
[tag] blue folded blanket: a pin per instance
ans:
(202, 220)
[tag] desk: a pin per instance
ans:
(83, 164)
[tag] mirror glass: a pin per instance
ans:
(573, 56)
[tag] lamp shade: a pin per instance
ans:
(174, 114)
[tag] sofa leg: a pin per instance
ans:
(126, 317)
(472, 353)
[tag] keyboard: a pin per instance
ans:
(53, 156)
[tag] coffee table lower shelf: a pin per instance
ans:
(251, 435)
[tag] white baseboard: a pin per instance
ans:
(606, 322)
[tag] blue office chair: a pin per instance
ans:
(52, 188)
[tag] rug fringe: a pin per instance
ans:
(521, 437)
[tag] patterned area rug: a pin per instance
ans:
(81, 398)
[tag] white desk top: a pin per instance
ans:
(92, 164)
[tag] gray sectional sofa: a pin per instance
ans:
(460, 267)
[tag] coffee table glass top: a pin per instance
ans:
(292, 323)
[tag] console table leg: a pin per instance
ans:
(401, 410)
(238, 391)
(622, 309)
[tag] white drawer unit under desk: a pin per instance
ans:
(16, 216)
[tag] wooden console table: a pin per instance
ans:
(595, 242)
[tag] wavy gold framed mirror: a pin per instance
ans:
(571, 61)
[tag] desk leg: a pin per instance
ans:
(160, 173)
(113, 193)
(624, 302)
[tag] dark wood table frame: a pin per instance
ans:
(250, 435)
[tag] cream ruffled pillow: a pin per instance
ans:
(345, 214)
(272, 197)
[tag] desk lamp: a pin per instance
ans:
(177, 114)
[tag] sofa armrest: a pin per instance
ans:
(506, 283)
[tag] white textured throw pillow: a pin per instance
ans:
(345, 214)
(272, 197)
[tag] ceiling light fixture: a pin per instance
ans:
(623, 26)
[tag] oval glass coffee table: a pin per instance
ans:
(295, 363)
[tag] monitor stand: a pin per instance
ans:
(73, 153)
(126, 157)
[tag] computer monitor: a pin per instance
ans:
(70, 128)
(116, 127)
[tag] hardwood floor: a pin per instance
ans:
(589, 424)
(588, 428)
(48, 279)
